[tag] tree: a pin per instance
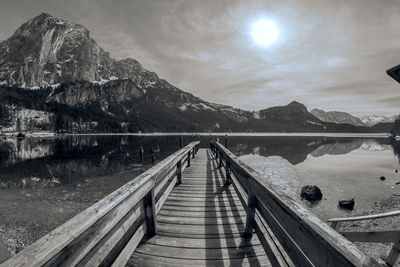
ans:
(396, 127)
(18, 125)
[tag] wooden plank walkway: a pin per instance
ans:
(201, 224)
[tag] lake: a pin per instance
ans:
(46, 181)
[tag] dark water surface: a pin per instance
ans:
(46, 181)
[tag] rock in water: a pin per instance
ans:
(383, 178)
(311, 193)
(347, 204)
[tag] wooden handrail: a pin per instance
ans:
(108, 232)
(305, 239)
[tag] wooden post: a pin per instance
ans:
(188, 160)
(220, 161)
(334, 224)
(394, 254)
(251, 211)
(179, 172)
(149, 203)
(226, 141)
(228, 173)
(181, 141)
(193, 153)
(141, 153)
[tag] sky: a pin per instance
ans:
(330, 54)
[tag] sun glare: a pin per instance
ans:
(264, 32)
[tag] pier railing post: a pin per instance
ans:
(188, 159)
(149, 203)
(251, 211)
(193, 151)
(179, 172)
(220, 161)
(228, 173)
(394, 254)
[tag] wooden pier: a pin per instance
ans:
(198, 207)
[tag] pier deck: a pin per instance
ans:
(202, 223)
(197, 207)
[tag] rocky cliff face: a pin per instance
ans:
(337, 117)
(47, 51)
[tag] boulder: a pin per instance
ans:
(311, 193)
(347, 204)
(383, 178)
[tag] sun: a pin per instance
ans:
(264, 32)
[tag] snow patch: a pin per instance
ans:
(315, 123)
(372, 147)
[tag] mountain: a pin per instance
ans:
(375, 119)
(53, 66)
(337, 117)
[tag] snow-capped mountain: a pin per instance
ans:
(375, 119)
(337, 117)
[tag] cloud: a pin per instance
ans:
(331, 54)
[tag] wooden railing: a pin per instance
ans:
(290, 234)
(374, 236)
(107, 233)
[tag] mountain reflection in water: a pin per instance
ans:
(72, 157)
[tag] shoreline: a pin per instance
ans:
(231, 134)
(376, 250)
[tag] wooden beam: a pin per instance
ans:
(126, 253)
(151, 213)
(394, 254)
(188, 159)
(179, 172)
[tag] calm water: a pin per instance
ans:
(44, 182)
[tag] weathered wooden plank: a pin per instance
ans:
(200, 230)
(206, 243)
(190, 197)
(196, 200)
(110, 246)
(204, 214)
(205, 194)
(143, 260)
(194, 191)
(274, 250)
(165, 195)
(125, 254)
(201, 221)
(161, 184)
(201, 253)
(216, 209)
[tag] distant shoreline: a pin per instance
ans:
(229, 134)
(358, 135)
